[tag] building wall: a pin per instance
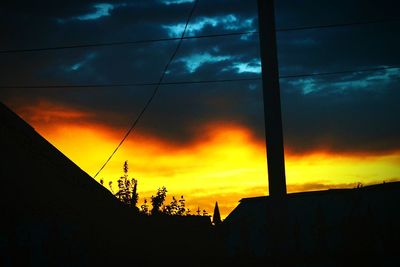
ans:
(340, 226)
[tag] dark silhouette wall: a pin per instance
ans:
(341, 227)
(54, 214)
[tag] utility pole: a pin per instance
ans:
(272, 101)
(273, 134)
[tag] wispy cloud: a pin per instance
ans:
(307, 85)
(227, 22)
(195, 61)
(98, 11)
(101, 10)
(356, 81)
(248, 67)
(370, 80)
(78, 65)
(252, 66)
(175, 2)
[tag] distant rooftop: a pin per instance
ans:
(391, 185)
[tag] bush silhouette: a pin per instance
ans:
(127, 194)
(127, 188)
(158, 200)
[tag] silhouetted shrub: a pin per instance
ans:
(144, 208)
(127, 188)
(176, 207)
(127, 194)
(158, 200)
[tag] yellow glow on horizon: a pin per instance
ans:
(216, 166)
(343, 169)
(224, 165)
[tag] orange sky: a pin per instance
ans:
(224, 164)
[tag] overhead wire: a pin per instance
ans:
(125, 84)
(121, 43)
(338, 25)
(195, 82)
(154, 91)
(338, 72)
(144, 41)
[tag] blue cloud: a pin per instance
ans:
(78, 65)
(102, 10)
(176, 2)
(370, 81)
(194, 61)
(307, 85)
(228, 22)
(356, 81)
(253, 66)
(248, 67)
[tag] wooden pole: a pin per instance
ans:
(272, 101)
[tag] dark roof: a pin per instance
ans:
(391, 185)
(40, 170)
(336, 200)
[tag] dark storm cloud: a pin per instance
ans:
(296, 13)
(354, 112)
(358, 113)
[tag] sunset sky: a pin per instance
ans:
(206, 141)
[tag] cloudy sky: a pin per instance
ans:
(206, 141)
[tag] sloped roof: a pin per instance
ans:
(40, 172)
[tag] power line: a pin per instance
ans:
(125, 84)
(337, 25)
(337, 72)
(193, 82)
(144, 41)
(155, 90)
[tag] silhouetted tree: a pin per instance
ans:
(135, 195)
(158, 200)
(181, 206)
(127, 188)
(144, 208)
(172, 208)
(176, 207)
(127, 194)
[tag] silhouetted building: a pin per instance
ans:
(338, 227)
(54, 214)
